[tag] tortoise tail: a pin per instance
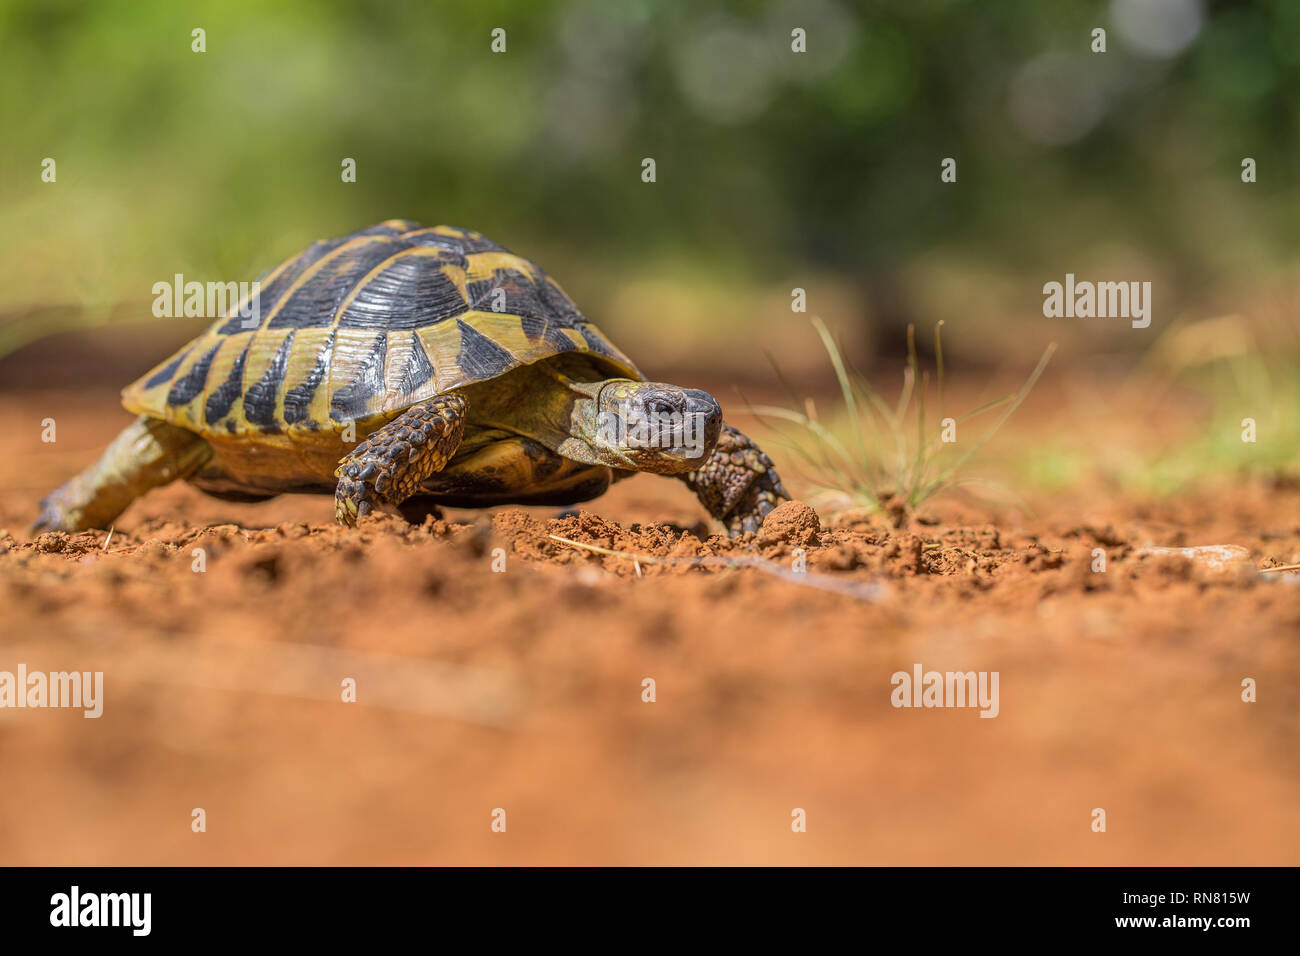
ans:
(148, 453)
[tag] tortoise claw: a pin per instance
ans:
(347, 502)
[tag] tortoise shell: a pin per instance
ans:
(361, 327)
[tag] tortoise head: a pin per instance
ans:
(642, 426)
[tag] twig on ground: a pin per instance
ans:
(872, 591)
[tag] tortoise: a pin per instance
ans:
(412, 367)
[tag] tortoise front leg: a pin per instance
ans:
(390, 465)
(738, 484)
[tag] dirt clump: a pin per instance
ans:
(792, 522)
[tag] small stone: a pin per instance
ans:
(51, 542)
(793, 522)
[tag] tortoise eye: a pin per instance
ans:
(660, 406)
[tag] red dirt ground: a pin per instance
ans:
(522, 690)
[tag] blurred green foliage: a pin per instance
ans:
(769, 163)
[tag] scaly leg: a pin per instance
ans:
(390, 465)
(148, 453)
(738, 484)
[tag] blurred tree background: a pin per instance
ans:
(775, 169)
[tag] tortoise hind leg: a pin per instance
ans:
(148, 453)
(390, 465)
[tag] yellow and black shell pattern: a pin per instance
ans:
(361, 327)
